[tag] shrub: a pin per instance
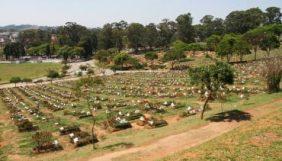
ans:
(15, 80)
(272, 72)
(26, 80)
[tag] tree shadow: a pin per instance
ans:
(229, 116)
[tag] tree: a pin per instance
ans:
(211, 78)
(211, 26)
(151, 35)
(212, 42)
(242, 21)
(14, 50)
(15, 80)
(241, 47)
(254, 38)
(105, 37)
(273, 15)
(151, 56)
(103, 56)
(73, 32)
(65, 52)
(226, 46)
(269, 42)
(52, 74)
(121, 59)
(272, 72)
(89, 45)
(185, 30)
(176, 53)
(167, 30)
(27, 80)
(135, 35)
(87, 85)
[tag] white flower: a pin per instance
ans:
(56, 142)
(71, 135)
(151, 122)
(172, 105)
(61, 128)
(142, 118)
(206, 94)
(189, 108)
(75, 140)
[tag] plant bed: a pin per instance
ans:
(82, 138)
(26, 126)
(45, 143)
(69, 129)
(156, 123)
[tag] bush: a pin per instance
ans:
(124, 61)
(52, 74)
(26, 80)
(151, 56)
(83, 67)
(15, 80)
(272, 72)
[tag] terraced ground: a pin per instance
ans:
(162, 102)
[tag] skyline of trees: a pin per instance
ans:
(121, 35)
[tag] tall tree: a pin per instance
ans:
(185, 30)
(167, 30)
(151, 35)
(135, 35)
(273, 15)
(242, 21)
(211, 78)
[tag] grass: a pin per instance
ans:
(257, 140)
(26, 70)
(140, 137)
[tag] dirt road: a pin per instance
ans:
(175, 143)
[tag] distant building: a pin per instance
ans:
(8, 37)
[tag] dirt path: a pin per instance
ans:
(175, 143)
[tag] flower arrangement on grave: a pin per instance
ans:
(44, 142)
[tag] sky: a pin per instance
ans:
(95, 13)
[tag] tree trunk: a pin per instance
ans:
(255, 50)
(204, 107)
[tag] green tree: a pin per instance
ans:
(269, 42)
(151, 35)
(89, 45)
(52, 74)
(226, 46)
(167, 30)
(242, 21)
(211, 78)
(151, 56)
(176, 53)
(87, 86)
(15, 80)
(273, 15)
(185, 30)
(135, 35)
(212, 42)
(13, 50)
(241, 47)
(211, 26)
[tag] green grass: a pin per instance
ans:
(26, 70)
(257, 140)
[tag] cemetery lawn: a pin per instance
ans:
(26, 70)
(133, 137)
(259, 139)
